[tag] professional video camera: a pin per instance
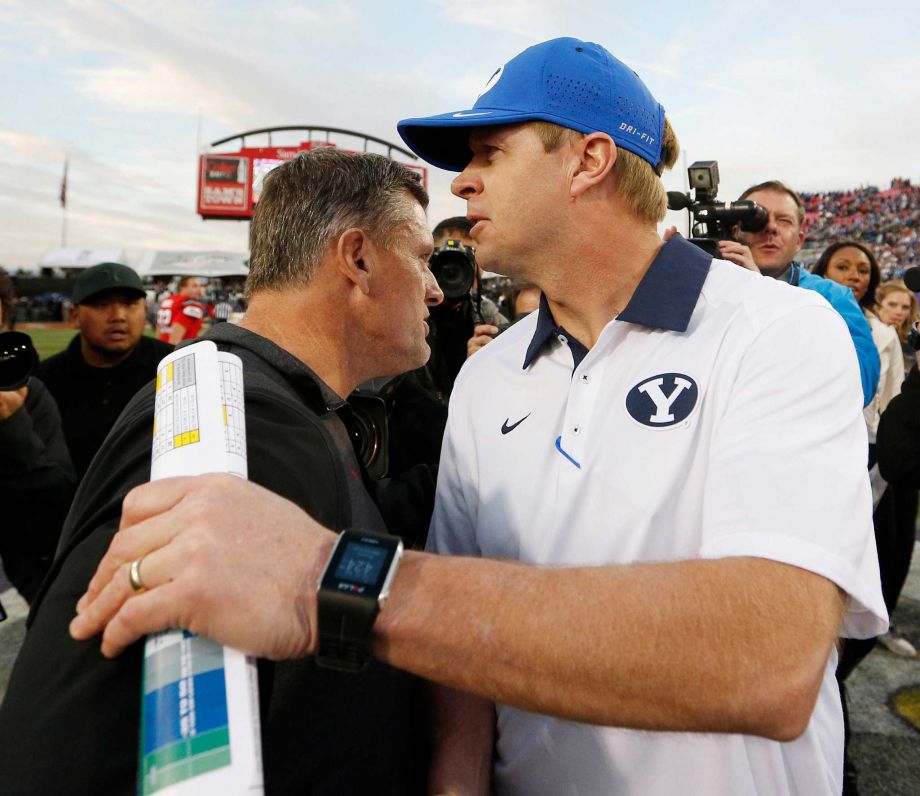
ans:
(714, 221)
(18, 359)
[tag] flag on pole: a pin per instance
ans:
(64, 184)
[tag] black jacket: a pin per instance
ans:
(37, 483)
(91, 399)
(70, 720)
(897, 444)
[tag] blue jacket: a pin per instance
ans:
(841, 299)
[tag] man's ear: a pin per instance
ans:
(596, 155)
(353, 256)
(75, 315)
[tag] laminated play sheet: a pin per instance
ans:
(200, 704)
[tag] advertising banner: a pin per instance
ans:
(229, 184)
(224, 186)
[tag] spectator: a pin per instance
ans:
(461, 325)
(36, 476)
(853, 265)
(181, 315)
(773, 250)
(106, 362)
(896, 305)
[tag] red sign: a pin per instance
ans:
(230, 183)
(225, 186)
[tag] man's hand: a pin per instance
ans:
(11, 401)
(222, 557)
(483, 334)
(737, 253)
(730, 250)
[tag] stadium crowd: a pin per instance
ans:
(886, 220)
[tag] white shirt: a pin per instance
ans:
(891, 375)
(719, 415)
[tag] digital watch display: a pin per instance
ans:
(354, 585)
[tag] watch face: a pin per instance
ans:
(360, 564)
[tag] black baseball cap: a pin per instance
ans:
(106, 276)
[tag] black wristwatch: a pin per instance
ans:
(354, 585)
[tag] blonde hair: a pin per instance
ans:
(638, 184)
(897, 286)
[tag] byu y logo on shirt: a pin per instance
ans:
(663, 400)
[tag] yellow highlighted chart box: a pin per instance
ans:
(186, 438)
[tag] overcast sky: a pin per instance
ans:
(824, 96)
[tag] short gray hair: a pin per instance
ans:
(309, 201)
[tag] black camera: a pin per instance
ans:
(18, 359)
(454, 266)
(714, 221)
(370, 427)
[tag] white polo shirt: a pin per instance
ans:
(720, 414)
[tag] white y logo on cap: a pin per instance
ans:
(496, 76)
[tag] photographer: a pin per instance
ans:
(36, 477)
(773, 250)
(467, 320)
(766, 241)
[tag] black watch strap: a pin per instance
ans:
(345, 623)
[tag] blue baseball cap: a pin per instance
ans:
(572, 83)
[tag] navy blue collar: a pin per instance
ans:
(664, 299)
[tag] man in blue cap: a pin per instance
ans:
(647, 445)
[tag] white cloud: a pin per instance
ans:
(28, 146)
(530, 20)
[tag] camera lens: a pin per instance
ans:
(365, 437)
(18, 359)
(454, 270)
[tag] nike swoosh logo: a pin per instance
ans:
(462, 115)
(506, 428)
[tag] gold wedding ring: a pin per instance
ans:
(134, 575)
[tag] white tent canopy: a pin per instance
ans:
(192, 263)
(80, 258)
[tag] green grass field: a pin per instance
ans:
(48, 341)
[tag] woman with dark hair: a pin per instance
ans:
(853, 265)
